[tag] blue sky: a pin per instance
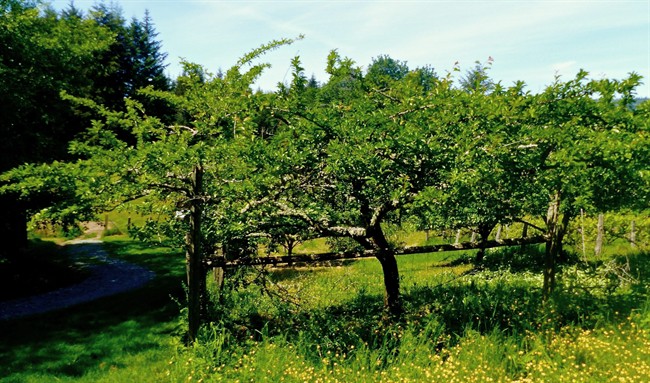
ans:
(532, 41)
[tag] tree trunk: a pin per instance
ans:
(290, 244)
(195, 272)
(561, 232)
(392, 301)
(582, 234)
(483, 232)
(551, 246)
(549, 268)
(524, 234)
(555, 236)
(386, 257)
(633, 233)
(219, 274)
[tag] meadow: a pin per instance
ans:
(325, 323)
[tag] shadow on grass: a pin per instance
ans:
(42, 267)
(72, 341)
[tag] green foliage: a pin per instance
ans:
(590, 146)
(89, 56)
(384, 70)
(477, 79)
(133, 61)
(134, 154)
(349, 159)
(46, 53)
(528, 258)
(343, 244)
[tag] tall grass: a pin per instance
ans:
(491, 325)
(325, 324)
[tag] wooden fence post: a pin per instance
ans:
(524, 234)
(600, 233)
(582, 233)
(219, 277)
(194, 252)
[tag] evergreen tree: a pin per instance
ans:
(43, 54)
(95, 56)
(110, 82)
(146, 60)
(477, 79)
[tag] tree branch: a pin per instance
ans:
(174, 188)
(405, 112)
(321, 225)
(529, 224)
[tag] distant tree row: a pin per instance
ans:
(96, 55)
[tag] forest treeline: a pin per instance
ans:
(95, 54)
(219, 165)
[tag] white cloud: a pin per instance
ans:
(529, 40)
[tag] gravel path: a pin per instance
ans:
(108, 277)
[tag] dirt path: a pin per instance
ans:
(108, 277)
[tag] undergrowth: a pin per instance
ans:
(474, 325)
(327, 324)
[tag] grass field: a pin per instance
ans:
(324, 324)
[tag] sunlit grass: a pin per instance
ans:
(120, 221)
(489, 326)
(612, 353)
(317, 245)
(325, 324)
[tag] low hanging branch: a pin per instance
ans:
(321, 257)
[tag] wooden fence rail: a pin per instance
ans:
(221, 262)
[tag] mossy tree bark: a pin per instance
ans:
(195, 270)
(557, 225)
(484, 231)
